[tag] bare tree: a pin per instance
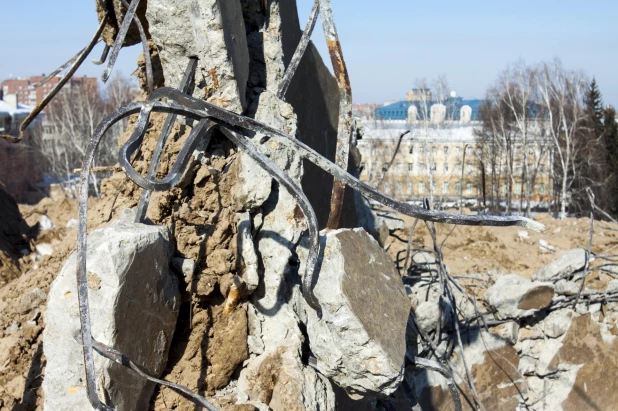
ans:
(71, 120)
(561, 98)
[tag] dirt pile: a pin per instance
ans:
(477, 250)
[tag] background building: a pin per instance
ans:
(442, 156)
(29, 95)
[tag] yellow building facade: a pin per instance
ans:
(442, 162)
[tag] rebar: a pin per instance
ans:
(185, 85)
(129, 18)
(76, 63)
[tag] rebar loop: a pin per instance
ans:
(76, 61)
(185, 85)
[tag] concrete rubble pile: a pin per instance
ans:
(539, 351)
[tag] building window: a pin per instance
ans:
(458, 187)
(517, 188)
(518, 168)
(399, 168)
(434, 167)
(434, 186)
(373, 151)
(542, 188)
(445, 149)
(411, 150)
(542, 168)
(422, 150)
(421, 187)
(445, 188)
(469, 168)
(422, 168)
(399, 187)
(505, 189)
(434, 150)
(387, 187)
(409, 187)
(457, 150)
(446, 167)
(468, 150)
(530, 151)
(410, 167)
(469, 188)
(458, 167)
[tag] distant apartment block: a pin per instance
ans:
(28, 95)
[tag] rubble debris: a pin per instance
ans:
(513, 296)
(562, 266)
(134, 310)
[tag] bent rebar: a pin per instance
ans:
(299, 52)
(129, 18)
(103, 57)
(180, 103)
(76, 63)
(185, 85)
(344, 128)
(119, 358)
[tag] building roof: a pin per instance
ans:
(442, 133)
(399, 110)
(6, 108)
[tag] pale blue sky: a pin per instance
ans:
(387, 45)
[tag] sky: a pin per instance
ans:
(388, 45)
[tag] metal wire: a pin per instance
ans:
(185, 85)
(77, 62)
(129, 18)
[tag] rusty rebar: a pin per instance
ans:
(344, 130)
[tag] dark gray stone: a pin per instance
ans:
(360, 341)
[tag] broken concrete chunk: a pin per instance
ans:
(557, 323)
(513, 296)
(427, 315)
(566, 287)
(216, 36)
(134, 310)
(360, 341)
(562, 266)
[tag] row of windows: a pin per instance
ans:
(446, 186)
(517, 188)
(434, 150)
(422, 168)
(421, 187)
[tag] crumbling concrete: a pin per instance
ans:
(134, 304)
(359, 341)
(513, 296)
(564, 265)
